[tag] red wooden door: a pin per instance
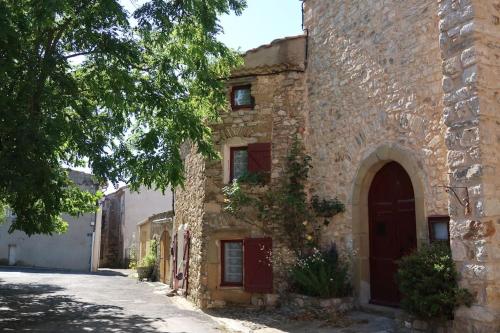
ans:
(391, 203)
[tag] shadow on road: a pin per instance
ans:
(41, 270)
(43, 308)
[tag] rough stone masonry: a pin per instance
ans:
(415, 82)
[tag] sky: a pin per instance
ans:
(262, 22)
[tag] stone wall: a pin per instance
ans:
(470, 48)
(189, 210)
(111, 254)
(374, 95)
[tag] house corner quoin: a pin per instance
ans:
(469, 40)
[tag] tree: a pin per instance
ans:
(82, 85)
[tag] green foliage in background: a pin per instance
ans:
(82, 85)
(321, 274)
(428, 282)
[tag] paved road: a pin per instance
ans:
(51, 301)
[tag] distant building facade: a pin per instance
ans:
(122, 211)
(71, 250)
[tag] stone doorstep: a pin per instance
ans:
(384, 311)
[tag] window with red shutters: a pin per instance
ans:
(259, 157)
(251, 159)
(258, 272)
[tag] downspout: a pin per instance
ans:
(306, 33)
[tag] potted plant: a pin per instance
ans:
(146, 266)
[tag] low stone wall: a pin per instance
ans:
(298, 301)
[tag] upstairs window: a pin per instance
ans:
(239, 162)
(252, 159)
(241, 97)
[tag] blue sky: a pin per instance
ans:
(261, 22)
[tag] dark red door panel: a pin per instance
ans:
(258, 270)
(391, 204)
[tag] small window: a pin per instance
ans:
(241, 97)
(238, 162)
(439, 228)
(232, 263)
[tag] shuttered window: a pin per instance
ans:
(247, 263)
(258, 265)
(254, 158)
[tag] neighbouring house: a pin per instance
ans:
(157, 227)
(228, 259)
(397, 103)
(71, 250)
(122, 210)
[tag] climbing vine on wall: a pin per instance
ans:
(284, 211)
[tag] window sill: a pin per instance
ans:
(226, 287)
(243, 108)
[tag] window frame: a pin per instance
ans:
(224, 283)
(231, 160)
(435, 219)
(236, 107)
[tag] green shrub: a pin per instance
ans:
(428, 282)
(132, 263)
(150, 259)
(321, 274)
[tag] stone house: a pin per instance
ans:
(157, 227)
(72, 250)
(397, 103)
(122, 210)
(266, 97)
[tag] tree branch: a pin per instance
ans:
(73, 55)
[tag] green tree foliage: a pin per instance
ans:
(82, 85)
(428, 281)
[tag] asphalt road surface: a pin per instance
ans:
(57, 301)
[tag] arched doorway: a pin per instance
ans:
(392, 229)
(165, 257)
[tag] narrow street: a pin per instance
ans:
(57, 301)
(110, 301)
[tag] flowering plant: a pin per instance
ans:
(321, 274)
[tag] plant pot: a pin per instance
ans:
(143, 272)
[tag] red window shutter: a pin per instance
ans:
(259, 157)
(258, 266)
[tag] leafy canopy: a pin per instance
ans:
(82, 85)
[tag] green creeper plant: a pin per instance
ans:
(86, 83)
(285, 208)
